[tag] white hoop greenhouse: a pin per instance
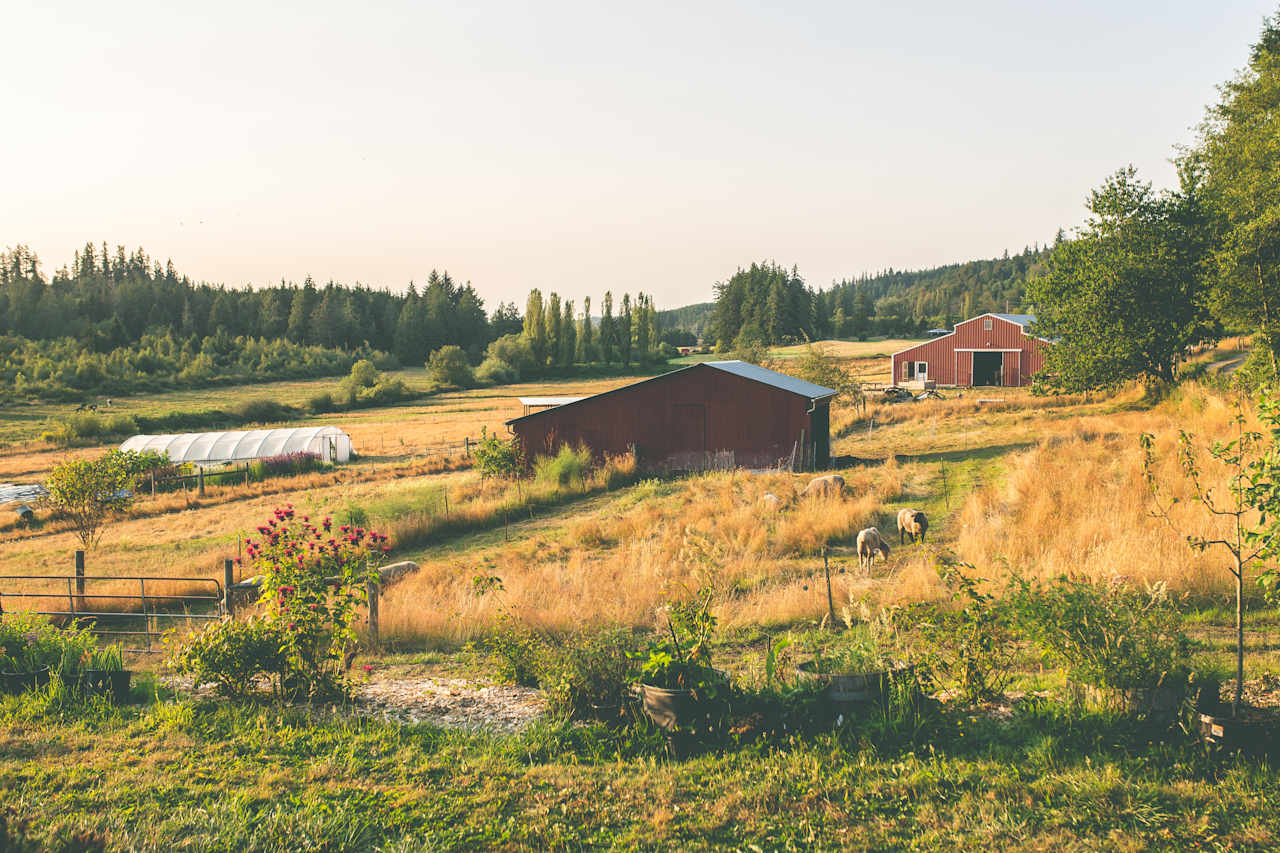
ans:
(329, 443)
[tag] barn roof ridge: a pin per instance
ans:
(743, 369)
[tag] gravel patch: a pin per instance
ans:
(451, 703)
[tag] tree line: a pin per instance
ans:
(766, 304)
(1152, 273)
(117, 322)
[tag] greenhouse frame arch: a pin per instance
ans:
(329, 443)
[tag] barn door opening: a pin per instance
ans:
(988, 368)
(820, 429)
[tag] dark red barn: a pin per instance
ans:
(717, 414)
(991, 349)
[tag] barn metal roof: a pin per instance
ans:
(1020, 319)
(547, 401)
(753, 372)
(748, 370)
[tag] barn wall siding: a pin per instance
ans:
(950, 358)
(699, 418)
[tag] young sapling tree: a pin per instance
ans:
(1250, 508)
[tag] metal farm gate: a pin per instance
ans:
(142, 616)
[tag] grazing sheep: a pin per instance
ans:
(870, 541)
(911, 522)
(828, 485)
(770, 501)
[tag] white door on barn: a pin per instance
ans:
(922, 370)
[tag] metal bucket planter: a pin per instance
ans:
(850, 690)
(669, 709)
(18, 682)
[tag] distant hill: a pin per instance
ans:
(692, 318)
(954, 291)
(900, 301)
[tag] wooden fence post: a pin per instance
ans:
(153, 482)
(228, 578)
(466, 443)
(80, 580)
(201, 470)
(373, 611)
(246, 475)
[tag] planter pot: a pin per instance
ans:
(119, 681)
(851, 689)
(105, 682)
(1159, 703)
(1255, 731)
(18, 682)
(668, 708)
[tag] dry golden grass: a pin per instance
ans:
(1077, 503)
(620, 563)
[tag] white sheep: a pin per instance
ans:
(870, 541)
(911, 522)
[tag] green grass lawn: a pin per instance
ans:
(183, 775)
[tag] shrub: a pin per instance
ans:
(568, 467)
(321, 403)
(314, 580)
(87, 491)
(513, 350)
(354, 515)
(448, 366)
(85, 427)
(497, 458)
(29, 642)
(260, 411)
(495, 371)
(588, 675)
(973, 645)
(233, 655)
(517, 652)
(1108, 635)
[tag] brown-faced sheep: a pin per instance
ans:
(911, 522)
(870, 541)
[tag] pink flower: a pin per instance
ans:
(368, 667)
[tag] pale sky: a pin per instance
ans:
(580, 147)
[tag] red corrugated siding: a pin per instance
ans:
(675, 420)
(951, 360)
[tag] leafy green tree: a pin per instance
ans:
(586, 338)
(641, 326)
(608, 330)
(1249, 512)
(1125, 299)
(535, 327)
(568, 336)
(623, 327)
(1238, 153)
(449, 366)
(496, 458)
(89, 491)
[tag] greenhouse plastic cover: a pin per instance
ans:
(328, 442)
